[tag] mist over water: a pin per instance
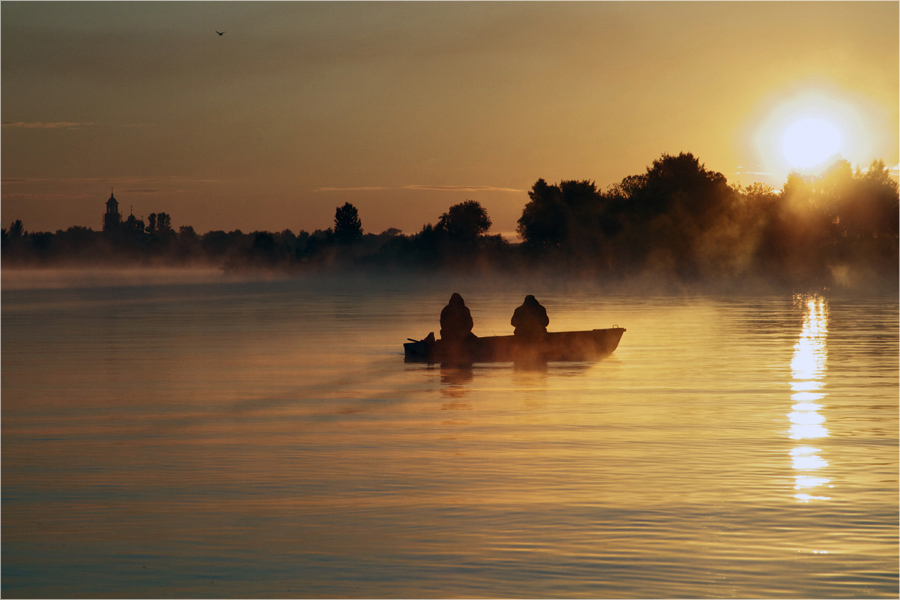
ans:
(226, 438)
(108, 276)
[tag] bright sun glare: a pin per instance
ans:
(805, 132)
(810, 141)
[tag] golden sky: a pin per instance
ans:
(404, 109)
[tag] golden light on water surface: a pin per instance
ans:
(807, 368)
(808, 363)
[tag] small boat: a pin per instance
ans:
(550, 347)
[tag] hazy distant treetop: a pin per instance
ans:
(880, 174)
(758, 194)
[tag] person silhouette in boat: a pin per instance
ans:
(530, 319)
(456, 321)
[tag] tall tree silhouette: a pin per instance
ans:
(347, 225)
(16, 229)
(160, 224)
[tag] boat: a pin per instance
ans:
(554, 346)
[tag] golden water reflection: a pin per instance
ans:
(808, 369)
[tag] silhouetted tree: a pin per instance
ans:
(42, 243)
(188, 242)
(543, 221)
(218, 245)
(265, 248)
(425, 247)
(584, 206)
(317, 244)
(347, 226)
(14, 241)
(74, 244)
(16, 230)
(464, 221)
(163, 224)
(567, 217)
(840, 225)
(160, 224)
(161, 239)
(300, 243)
(867, 204)
(287, 240)
(666, 216)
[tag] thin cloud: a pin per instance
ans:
(67, 180)
(460, 188)
(417, 187)
(47, 196)
(45, 124)
(117, 181)
(353, 189)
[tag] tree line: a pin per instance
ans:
(676, 221)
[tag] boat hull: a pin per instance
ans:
(554, 346)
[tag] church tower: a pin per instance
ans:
(111, 218)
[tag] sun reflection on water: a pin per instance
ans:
(808, 368)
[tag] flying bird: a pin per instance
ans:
(220, 32)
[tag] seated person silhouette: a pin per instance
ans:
(530, 319)
(456, 320)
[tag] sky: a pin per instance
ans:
(404, 109)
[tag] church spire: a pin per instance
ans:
(111, 218)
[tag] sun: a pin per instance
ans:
(807, 130)
(810, 141)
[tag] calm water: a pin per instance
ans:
(267, 440)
